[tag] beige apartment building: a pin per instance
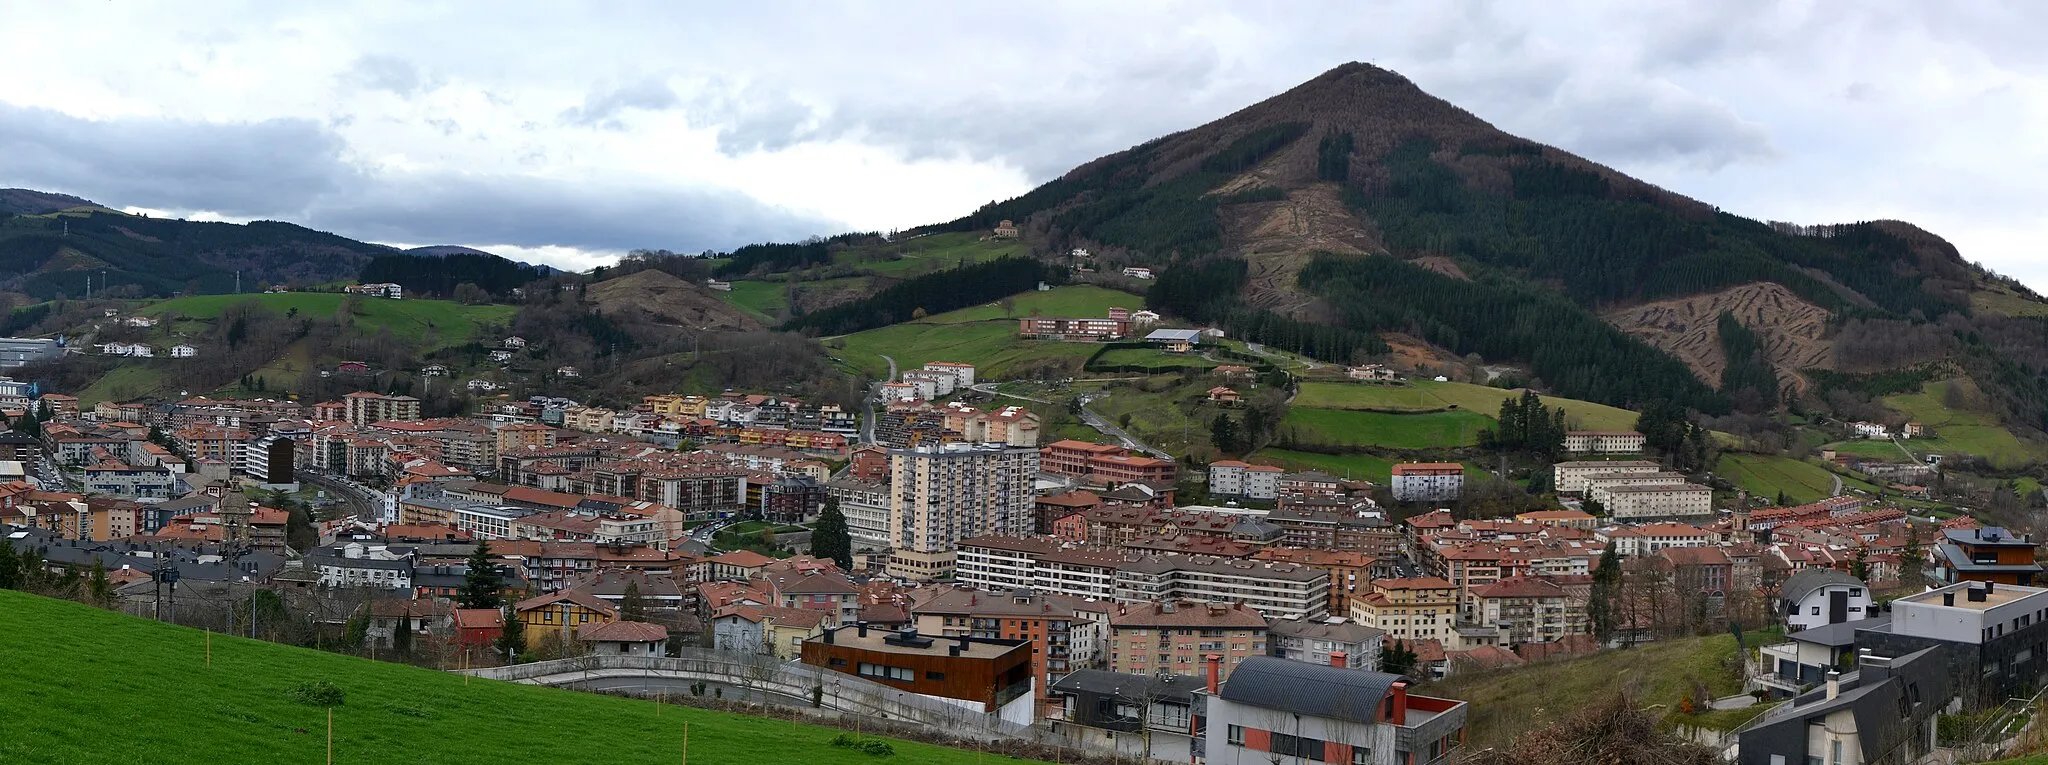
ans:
(1417, 608)
(1680, 500)
(943, 493)
(1174, 636)
(1570, 477)
(362, 408)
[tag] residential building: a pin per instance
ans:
(19, 351)
(1685, 500)
(1086, 330)
(1173, 636)
(1570, 477)
(1603, 442)
(1409, 609)
(1231, 478)
(624, 638)
(1046, 621)
(770, 630)
(991, 676)
(1336, 641)
(1528, 610)
(559, 615)
(1428, 481)
(1351, 573)
(1818, 597)
(1260, 715)
(1276, 590)
(964, 373)
(1992, 634)
(131, 481)
(942, 494)
(1986, 554)
(866, 507)
(363, 408)
(358, 565)
(1137, 716)
(1883, 712)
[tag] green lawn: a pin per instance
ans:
(1767, 475)
(1174, 418)
(90, 686)
(935, 252)
(1152, 357)
(1878, 449)
(1074, 300)
(1962, 431)
(133, 379)
(1392, 431)
(453, 323)
(1507, 703)
(1425, 395)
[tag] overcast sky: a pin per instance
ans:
(567, 135)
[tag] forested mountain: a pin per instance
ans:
(1356, 204)
(50, 254)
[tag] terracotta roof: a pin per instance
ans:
(1188, 613)
(744, 559)
(1519, 588)
(479, 618)
(1413, 583)
(577, 597)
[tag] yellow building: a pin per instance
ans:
(1418, 608)
(560, 614)
(516, 435)
(672, 405)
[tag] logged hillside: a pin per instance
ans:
(1794, 332)
(660, 298)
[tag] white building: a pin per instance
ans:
(1570, 477)
(1428, 481)
(963, 372)
(1231, 478)
(1138, 272)
(930, 385)
(1869, 430)
(183, 351)
(1144, 318)
(1272, 711)
(359, 565)
(1685, 500)
(866, 507)
(1603, 442)
(941, 494)
(1818, 597)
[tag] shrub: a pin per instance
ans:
(317, 693)
(873, 746)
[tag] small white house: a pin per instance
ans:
(182, 351)
(515, 341)
(434, 370)
(1870, 430)
(623, 638)
(482, 385)
(1144, 318)
(1138, 272)
(136, 350)
(501, 356)
(567, 371)
(718, 285)
(139, 321)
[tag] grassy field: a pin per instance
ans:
(1879, 449)
(980, 335)
(935, 253)
(1506, 703)
(1174, 418)
(90, 686)
(763, 299)
(134, 378)
(1357, 466)
(1074, 300)
(1768, 475)
(1153, 357)
(1393, 431)
(1962, 431)
(1425, 395)
(454, 323)
(2005, 301)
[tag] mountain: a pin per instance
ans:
(446, 249)
(1359, 203)
(51, 253)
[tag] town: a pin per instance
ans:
(949, 550)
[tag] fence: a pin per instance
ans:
(797, 684)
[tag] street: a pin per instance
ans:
(1091, 419)
(366, 504)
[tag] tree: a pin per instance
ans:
(1911, 558)
(481, 585)
(1398, 659)
(401, 635)
(1603, 607)
(831, 538)
(357, 631)
(512, 638)
(633, 605)
(1223, 434)
(98, 588)
(10, 567)
(1859, 567)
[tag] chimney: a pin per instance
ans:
(1990, 587)
(1338, 659)
(1215, 672)
(863, 626)
(1948, 598)
(1834, 684)
(963, 645)
(1976, 595)
(1397, 696)
(829, 633)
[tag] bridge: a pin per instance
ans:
(748, 677)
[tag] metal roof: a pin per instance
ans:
(1352, 695)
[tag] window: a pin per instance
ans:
(1235, 734)
(1834, 753)
(934, 675)
(836, 662)
(1815, 611)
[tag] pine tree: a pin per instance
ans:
(1911, 558)
(1397, 659)
(1223, 434)
(633, 605)
(401, 635)
(512, 638)
(480, 586)
(1603, 608)
(1860, 566)
(98, 588)
(830, 537)
(10, 567)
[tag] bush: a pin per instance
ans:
(318, 693)
(874, 746)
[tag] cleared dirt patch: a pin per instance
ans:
(664, 299)
(1792, 330)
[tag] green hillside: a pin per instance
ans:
(1768, 476)
(1427, 395)
(91, 686)
(923, 254)
(1431, 430)
(1962, 431)
(452, 323)
(983, 335)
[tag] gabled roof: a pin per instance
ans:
(577, 597)
(623, 632)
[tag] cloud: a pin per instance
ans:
(273, 167)
(386, 73)
(604, 108)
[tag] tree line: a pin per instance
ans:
(443, 276)
(1205, 290)
(773, 257)
(932, 293)
(1573, 351)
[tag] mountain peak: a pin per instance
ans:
(33, 202)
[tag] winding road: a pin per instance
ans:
(1129, 441)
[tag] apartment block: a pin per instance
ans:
(1570, 477)
(941, 494)
(1277, 590)
(1174, 636)
(1428, 481)
(1603, 442)
(363, 407)
(1418, 608)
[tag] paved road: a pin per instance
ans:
(1096, 421)
(365, 504)
(867, 420)
(1261, 350)
(990, 388)
(1837, 491)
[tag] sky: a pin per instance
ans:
(568, 134)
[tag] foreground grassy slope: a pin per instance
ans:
(89, 686)
(1506, 703)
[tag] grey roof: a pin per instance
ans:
(1806, 581)
(1129, 687)
(1351, 633)
(1340, 694)
(1959, 559)
(1841, 634)
(1988, 536)
(1170, 335)
(117, 555)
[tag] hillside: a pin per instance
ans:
(50, 254)
(1794, 331)
(658, 297)
(91, 686)
(32, 202)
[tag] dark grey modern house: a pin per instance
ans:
(1883, 713)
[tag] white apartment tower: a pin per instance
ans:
(941, 494)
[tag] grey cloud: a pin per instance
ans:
(252, 169)
(603, 108)
(387, 73)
